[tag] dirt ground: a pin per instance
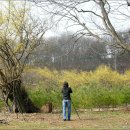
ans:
(89, 120)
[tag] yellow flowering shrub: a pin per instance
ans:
(127, 77)
(100, 88)
(103, 75)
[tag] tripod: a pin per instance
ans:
(76, 111)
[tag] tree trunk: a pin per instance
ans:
(22, 102)
(18, 97)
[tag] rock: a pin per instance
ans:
(47, 108)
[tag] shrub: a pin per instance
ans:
(100, 88)
(40, 95)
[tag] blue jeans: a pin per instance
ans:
(66, 104)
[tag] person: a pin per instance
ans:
(66, 103)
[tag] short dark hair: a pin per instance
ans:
(65, 83)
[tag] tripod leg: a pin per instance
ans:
(76, 111)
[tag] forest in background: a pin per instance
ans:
(68, 52)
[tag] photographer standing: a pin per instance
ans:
(66, 103)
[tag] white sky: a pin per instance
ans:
(118, 21)
(61, 27)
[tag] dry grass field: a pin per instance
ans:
(89, 120)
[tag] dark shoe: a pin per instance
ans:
(64, 120)
(68, 119)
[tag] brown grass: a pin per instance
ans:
(89, 120)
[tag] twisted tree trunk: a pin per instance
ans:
(15, 97)
(18, 97)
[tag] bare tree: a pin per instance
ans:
(94, 18)
(20, 34)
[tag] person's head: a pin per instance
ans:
(65, 84)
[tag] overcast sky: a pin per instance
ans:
(118, 21)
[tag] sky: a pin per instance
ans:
(118, 21)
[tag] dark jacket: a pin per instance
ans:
(66, 92)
